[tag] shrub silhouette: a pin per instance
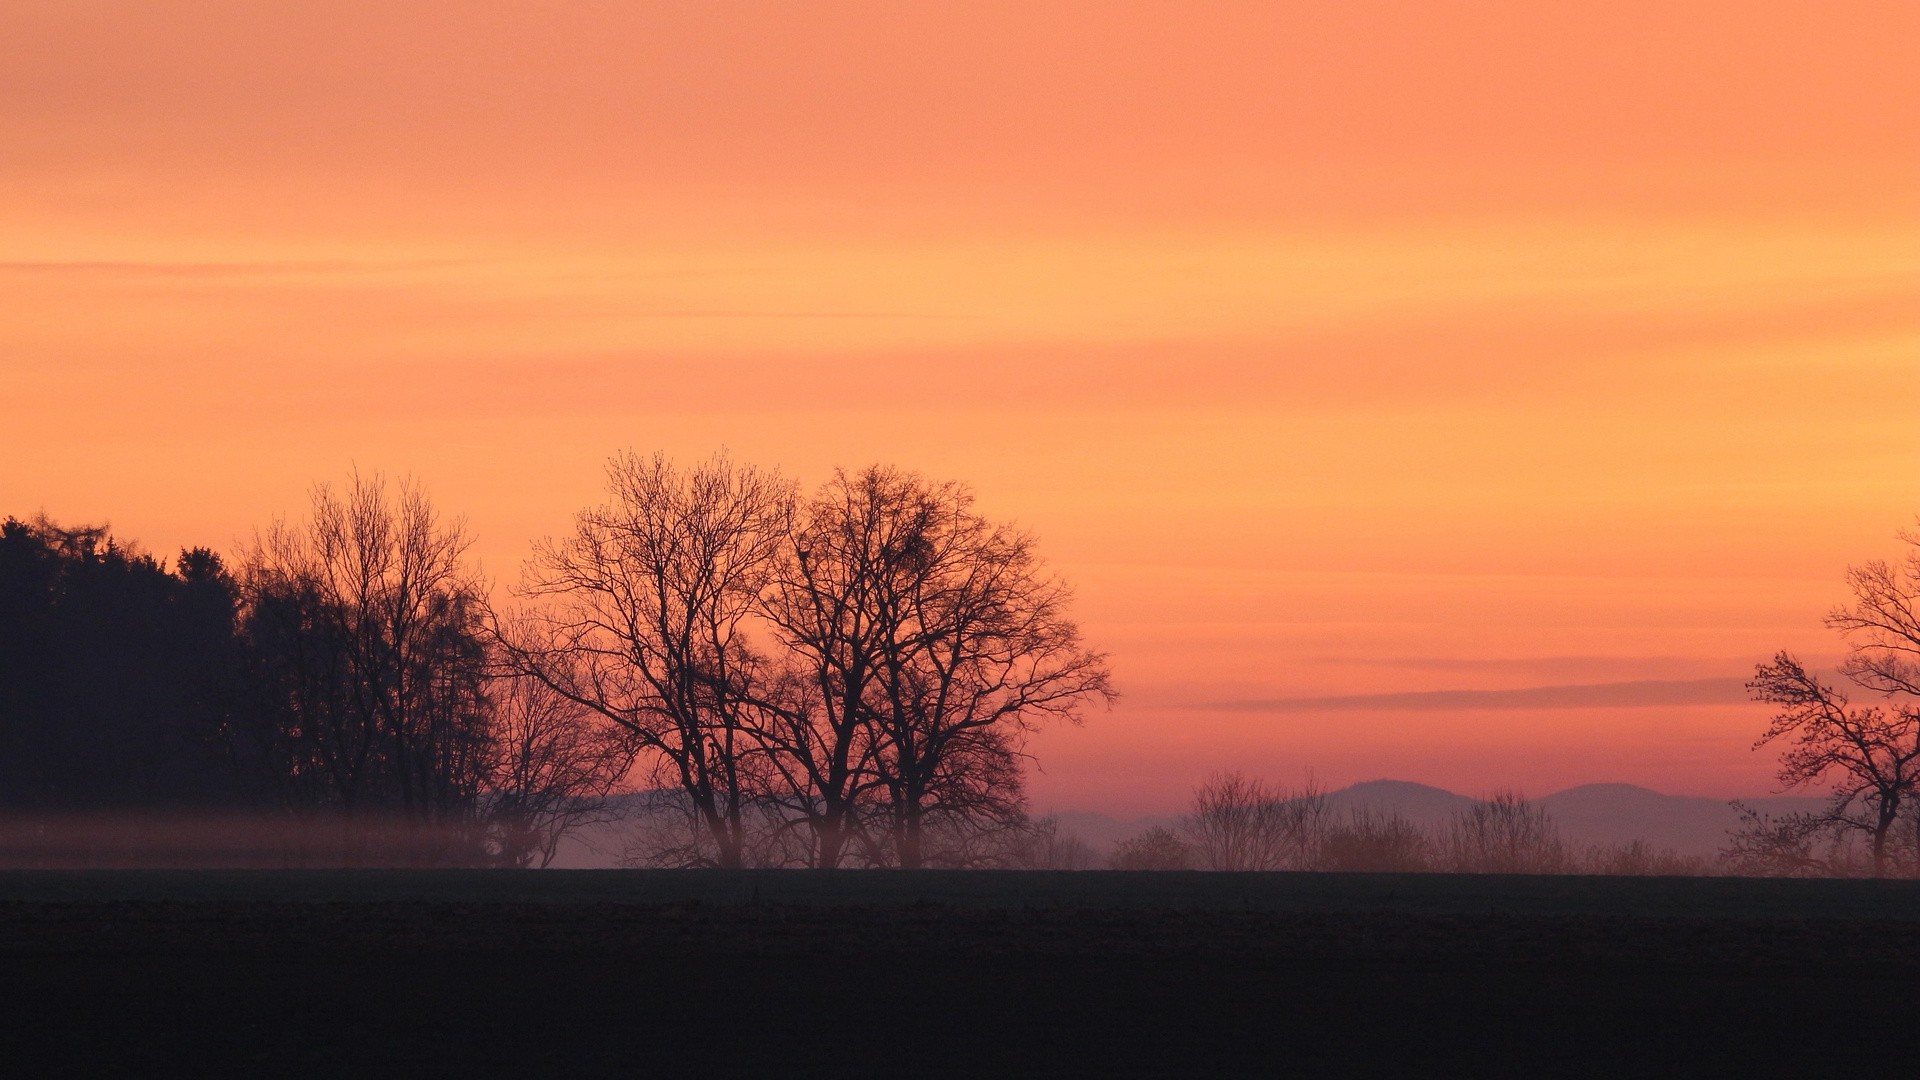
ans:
(1156, 849)
(1374, 843)
(1504, 835)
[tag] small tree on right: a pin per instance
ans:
(1869, 754)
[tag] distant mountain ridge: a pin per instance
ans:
(1587, 814)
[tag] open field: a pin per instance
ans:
(1433, 894)
(955, 974)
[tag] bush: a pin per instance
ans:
(1156, 849)
(1639, 859)
(1241, 824)
(1370, 843)
(1504, 835)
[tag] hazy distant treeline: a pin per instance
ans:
(1238, 823)
(841, 680)
(1860, 741)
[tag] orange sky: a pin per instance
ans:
(1333, 349)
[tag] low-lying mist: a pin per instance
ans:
(150, 840)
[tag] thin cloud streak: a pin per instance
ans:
(1613, 695)
(274, 268)
(769, 315)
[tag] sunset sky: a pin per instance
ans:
(1332, 349)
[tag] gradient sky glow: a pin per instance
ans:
(1332, 349)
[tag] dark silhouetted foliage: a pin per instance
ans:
(118, 675)
(1158, 848)
(341, 684)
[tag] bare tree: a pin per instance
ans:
(1793, 845)
(1373, 843)
(825, 606)
(661, 832)
(930, 644)
(1870, 756)
(866, 666)
(1241, 824)
(373, 618)
(552, 766)
(1504, 835)
(1045, 847)
(977, 653)
(1157, 848)
(651, 600)
(1227, 828)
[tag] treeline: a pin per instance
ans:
(338, 676)
(119, 676)
(841, 680)
(1238, 823)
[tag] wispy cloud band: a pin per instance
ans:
(1612, 695)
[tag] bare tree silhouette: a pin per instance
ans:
(844, 681)
(1871, 756)
(370, 620)
(930, 644)
(552, 765)
(1157, 848)
(1504, 835)
(1239, 823)
(651, 597)
(1045, 847)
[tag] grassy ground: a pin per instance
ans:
(880, 974)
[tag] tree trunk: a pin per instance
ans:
(912, 856)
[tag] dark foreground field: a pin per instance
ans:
(907, 975)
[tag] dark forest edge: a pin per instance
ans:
(841, 680)
(741, 676)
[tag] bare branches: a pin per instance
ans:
(1869, 756)
(931, 644)
(1504, 835)
(1882, 626)
(1794, 845)
(550, 770)
(652, 596)
(1240, 824)
(863, 665)
(1158, 848)
(385, 695)
(373, 619)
